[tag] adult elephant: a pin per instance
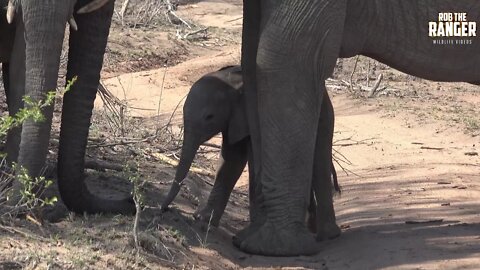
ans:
(289, 48)
(31, 69)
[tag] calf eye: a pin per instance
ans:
(209, 117)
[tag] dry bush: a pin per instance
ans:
(146, 13)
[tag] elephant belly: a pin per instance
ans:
(439, 64)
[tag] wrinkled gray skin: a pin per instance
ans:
(289, 48)
(30, 52)
(215, 104)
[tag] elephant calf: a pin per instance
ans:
(215, 104)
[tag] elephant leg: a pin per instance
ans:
(14, 82)
(85, 60)
(326, 226)
(5, 78)
(254, 191)
(233, 161)
(256, 209)
(296, 52)
(250, 39)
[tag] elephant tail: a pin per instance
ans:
(336, 186)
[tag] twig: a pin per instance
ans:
(353, 72)
(160, 97)
(368, 73)
(138, 209)
(236, 19)
(123, 10)
(173, 113)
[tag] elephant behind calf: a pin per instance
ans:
(215, 104)
(30, 50)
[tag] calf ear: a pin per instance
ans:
(237, 124)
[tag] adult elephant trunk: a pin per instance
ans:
(44, 27)
(189, 149)
(85, 60)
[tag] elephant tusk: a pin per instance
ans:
(10, 11)
(73, 24)
(92, 6)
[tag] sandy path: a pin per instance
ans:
(398, 181)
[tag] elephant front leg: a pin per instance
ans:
(297, 50)
(287, 159)
(234, 159)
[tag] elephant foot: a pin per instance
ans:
(271, 240)
(243, 234)
(55, 213)
(125, 206)
(207, 216)
(327, 231)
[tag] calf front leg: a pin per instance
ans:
(233, 161)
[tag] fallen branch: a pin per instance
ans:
(100, 165)
(432, 148)
(212, 145)
(98, 145)
(13, 230)
(374, 89)
(187, 35)
(170, 161)
(171, 11)
(428, 221)
(123, 10)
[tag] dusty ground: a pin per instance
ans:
(411, 190)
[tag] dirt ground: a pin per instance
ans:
(408, 163)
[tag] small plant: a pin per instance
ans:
(176, 234)
(25, 194)
(32, 110)
(204, 242)
(472, 124)
(131, 173)
(30, 185)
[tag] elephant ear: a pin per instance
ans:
(231, 75)
(237, 123)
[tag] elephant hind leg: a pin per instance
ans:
(326, 226)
